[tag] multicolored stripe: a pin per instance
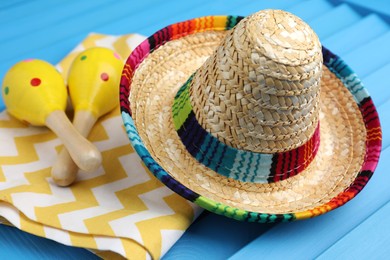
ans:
(245, 166)
(333, 62)
(171, 32)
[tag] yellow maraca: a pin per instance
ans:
(34, 92)
(93, 83)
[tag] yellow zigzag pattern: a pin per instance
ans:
(83, 196)
(121, 207)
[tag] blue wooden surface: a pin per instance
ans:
(341, 40)
(15, 244)
(359, 230)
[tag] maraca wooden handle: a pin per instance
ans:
(86, 156)
(64, 171)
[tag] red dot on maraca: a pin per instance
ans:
(104, 76)
(35, 82)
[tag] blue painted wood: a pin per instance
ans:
(378, 85)
(52, 15)
(309, 10)
(81, 24)
(255, 6)
(370, 57)
(382, 6)
(6, 4)
(331, 22)
(19, 9)
(352, 37)
(218, 7)
(15, 244)
(149, 26)
(363, 242)
(214, 237)
(143, 17)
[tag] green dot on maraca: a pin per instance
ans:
(83, 57)
(6, 90)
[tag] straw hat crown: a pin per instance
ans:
(259, 91)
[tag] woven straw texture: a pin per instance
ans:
(349, 128)
(342, 141)
(259, 91)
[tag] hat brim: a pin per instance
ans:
(346, 159)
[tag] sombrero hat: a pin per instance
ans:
(250, 117)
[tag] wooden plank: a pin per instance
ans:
(377, 86)
(20, 245)
(363, 242)
(35, 20)
(214, 237)
(309, 10)
(254, 6)
(352, 37)
(18, 9)
(67, 28)
(382, 6)
(370, 57)
(216, 7)
(331, 22)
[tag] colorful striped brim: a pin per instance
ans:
(339, 157)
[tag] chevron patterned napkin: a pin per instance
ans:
(118, 210)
